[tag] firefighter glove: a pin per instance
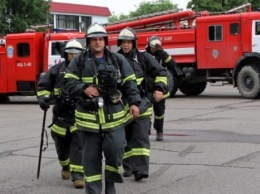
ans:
(44, 103)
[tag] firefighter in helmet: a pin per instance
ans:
(154, 47)
(152, 84)
(109, 97)
(63, 130)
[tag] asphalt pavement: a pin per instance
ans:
(211, 146)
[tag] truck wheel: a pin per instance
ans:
(4, 99)
(192, 89)
(248, 82)
(175, 83)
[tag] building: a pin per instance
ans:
(68, 16)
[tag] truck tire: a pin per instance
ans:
(175, 83)
(248, 82)
(192, 89)
(4, 99)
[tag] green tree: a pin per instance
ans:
(149, 7)
(17, 16)
(115, 18)
(146, 8)
(3, 24)
(219, 5)
(255, 4)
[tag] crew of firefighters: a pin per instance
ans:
(103, 107)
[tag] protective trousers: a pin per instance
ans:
(112, 144)
(69, 150)
(137, 151)
(159, 110)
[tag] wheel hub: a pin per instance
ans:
(249, 82)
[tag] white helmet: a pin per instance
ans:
(127, 34)
(73, 46)
(155, 41)
(96, 30)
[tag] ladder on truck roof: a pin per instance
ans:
(144, 16)
(157, 20)
(247, 5)
(165, 20)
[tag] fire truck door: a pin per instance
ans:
(23, 60)
(256, 36)
(19, 57)
(215, 47)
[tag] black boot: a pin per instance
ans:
(140, 175)
(159, 136)
(110, 188)
(127, 173)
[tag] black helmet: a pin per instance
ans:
(155, 41)
(127, 34)
(96, 30)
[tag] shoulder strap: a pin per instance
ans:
(55, 71)
(81, 63)
(113, 58)
(141, 60)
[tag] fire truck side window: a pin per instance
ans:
(234, 29)
(54, 50)
(23, 50)
(215, 33)
(257, 28)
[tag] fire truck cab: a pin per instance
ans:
(206, 47)
(24, 56)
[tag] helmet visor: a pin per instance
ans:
(75, 51)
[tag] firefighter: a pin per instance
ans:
(109, 97)
(154, 47)
(63, 131)
(152, 84)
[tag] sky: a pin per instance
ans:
(120, 6)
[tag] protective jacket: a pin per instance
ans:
(118, 76)
(166, 61)
(159, 108)
(150, 77)
(63, 131)
(163, 58)
(64, 108)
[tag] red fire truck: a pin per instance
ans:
(24, 56)
(207, 47)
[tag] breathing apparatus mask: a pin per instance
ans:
(108, 80)
(65, 101)
(107, 84)
(92, 103)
